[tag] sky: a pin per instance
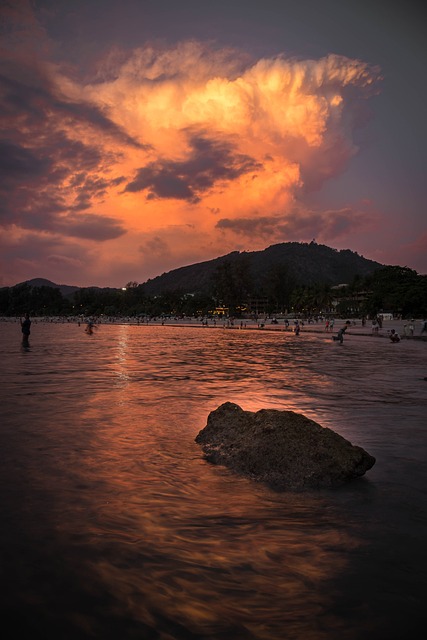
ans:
(139, 136)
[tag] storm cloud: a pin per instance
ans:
(155, 152)
(209, 162)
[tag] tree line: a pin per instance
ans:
(399, 290)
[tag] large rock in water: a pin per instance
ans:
(282, 448)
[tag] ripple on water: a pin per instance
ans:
(115, 526)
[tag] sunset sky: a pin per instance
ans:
(138, 136)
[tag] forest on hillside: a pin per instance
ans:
(232, 291)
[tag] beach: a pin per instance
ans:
(272, 323)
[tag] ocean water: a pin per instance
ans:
(115, 527)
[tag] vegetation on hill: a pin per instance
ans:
(305, 263)
(242, 284)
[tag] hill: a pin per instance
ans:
(306, 263)
(65, 289)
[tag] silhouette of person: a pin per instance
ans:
(340, 335)
(26, 329)
(90, 327)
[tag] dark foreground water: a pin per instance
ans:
(114, 527)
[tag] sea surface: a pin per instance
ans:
(113, 526)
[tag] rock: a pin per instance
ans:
(284, 449)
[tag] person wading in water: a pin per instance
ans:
(26, 329)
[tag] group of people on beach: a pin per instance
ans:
(298, 325)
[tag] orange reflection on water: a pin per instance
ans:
(226, 559)
(179, 542)
(206, 549)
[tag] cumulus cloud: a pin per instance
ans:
(172, 138)
(281, 107)
(258, 135)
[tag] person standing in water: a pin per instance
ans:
(90, 326)
(394, 337)
(340, 334)
(26, 328)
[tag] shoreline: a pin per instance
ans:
(242, 325)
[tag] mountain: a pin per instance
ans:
(306, 263)
(65, 289)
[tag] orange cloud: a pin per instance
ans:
(274, 122)
(172, 154)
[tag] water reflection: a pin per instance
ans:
(204, 549)
(111, 504)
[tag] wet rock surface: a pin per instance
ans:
(284, 449)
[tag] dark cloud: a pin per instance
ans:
(38, 166)
(52, 217)
(89, 187)
(48, 180)
(73, 155)
(90, 227)
(33, 246)
(18, 163)
(23, 99)
(330, 224)
(93, 116)
(67, 262)
(210, 161)
(43, 255)
(34, 193)
(156, 246)
(260, 225)
(33, 196)
(44, 172)
(29, 208)
(47, 175)
(33, 97)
